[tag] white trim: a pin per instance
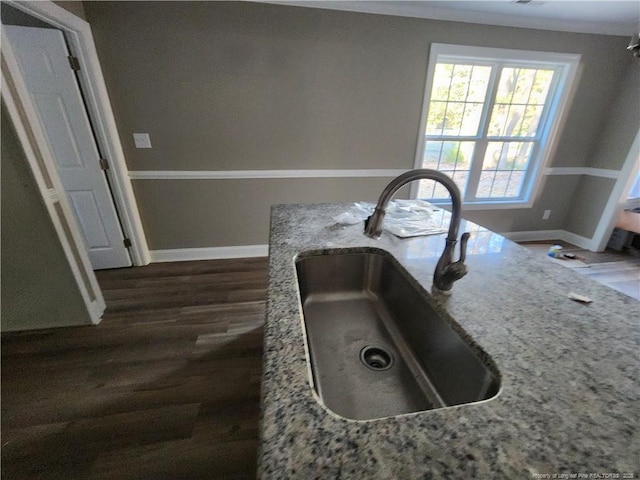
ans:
(539, 235)
(618, 196)
(53, 195)
(78, 33)
(579, 240)
(326, 173)
(589, 171)
(248, 251)
(504, 205)
(96, 309)
(36, 149)
(422, 9)
(256, 174)
(533, 235)
(209, 253)
(503, 54)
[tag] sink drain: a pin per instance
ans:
(376, 358)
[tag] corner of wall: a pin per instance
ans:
(74, 6)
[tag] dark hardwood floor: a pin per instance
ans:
(166, 387)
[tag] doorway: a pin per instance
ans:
(23, 114)
(44, 62)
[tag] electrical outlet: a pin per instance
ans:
(546, 214)
(142, 140)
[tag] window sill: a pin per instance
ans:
(485, 205)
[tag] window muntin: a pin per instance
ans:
(488, 119)
(450, 157)
(504, 169)
(458, 95)
(520, 100)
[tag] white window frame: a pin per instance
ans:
(566, 66)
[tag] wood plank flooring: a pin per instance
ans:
(166, 387)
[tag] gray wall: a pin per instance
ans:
(74, 6)
(236, 210)
(619, 128)
(13, 16)
(241, 86)
(555, 194)
(587, 205)
(38, 287)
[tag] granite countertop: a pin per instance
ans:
(569, 400)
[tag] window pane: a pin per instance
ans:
(519, 102)
(530, 122)
(451, 158)
(435, 121)
(453, 118)
(514, 185)
(541, 87)
(479, 84)
(471, 119)
(460, 81)
(503, 169)
(523, 85)
(441, 81)
(635, 188)
(457, 99)
(506, 120)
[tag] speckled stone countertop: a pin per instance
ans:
(569, 400)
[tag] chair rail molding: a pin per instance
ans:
(258, 174)
(589, 171)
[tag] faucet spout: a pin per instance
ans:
(447, 271)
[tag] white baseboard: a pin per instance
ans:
(580, 241)
(534, 235)
(538, 235)
(209, 253)
(246, 251)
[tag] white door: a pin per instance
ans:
(43, 59)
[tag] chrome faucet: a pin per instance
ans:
(447, 271)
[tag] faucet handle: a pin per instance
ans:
(452, 272)
(463, 246)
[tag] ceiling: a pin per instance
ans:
(607, 17)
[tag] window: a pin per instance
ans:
(633, 198)
(489, 121)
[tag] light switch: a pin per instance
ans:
(142, 140)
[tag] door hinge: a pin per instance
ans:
(127, 243)
(104, 165)
(73, 61)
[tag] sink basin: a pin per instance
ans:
(376, 345)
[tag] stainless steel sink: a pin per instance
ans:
(377, 346)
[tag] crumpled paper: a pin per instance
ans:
(404, 218)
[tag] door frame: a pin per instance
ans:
(618, 197)
(81, 43)
(40, 160)
(30, 134)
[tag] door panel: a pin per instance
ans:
(67, 153)
(43, 59)
(85, 205)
